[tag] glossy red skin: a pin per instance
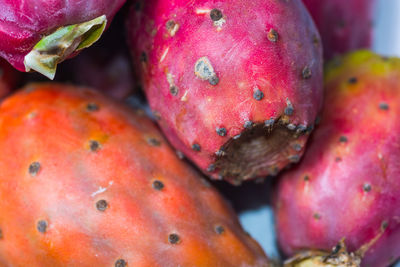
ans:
(243, 58)
(344, 25)
(24, 23)
(8, 78)
(50, 124)
(337, 171)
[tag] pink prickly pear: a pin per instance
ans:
(236, 85)
(347, 185)
(344, 25)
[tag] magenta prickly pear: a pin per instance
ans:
(236, 85)
(347, 185)
(37, 34)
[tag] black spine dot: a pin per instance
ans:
(154, 142)
(272, 35)
(196, 147)
(219, 229)
(384, 225)
(248, 124)
(173, 90)
(315, 40)
(336, 249)
(221, 131)
(34, 168)
(214, 80)
(258, 95)
(289, 110)
(143, 57)
(121, 263)
(1, 234)
(306, 73)
(42, 226)
(297, 147)
(306, 178)
(91, 107)
(211, 168)
(94, 145)
(383, 106)
(170, 24)
(158, 185)
(367, 187)
(173, 239)
(352, 80)
(269, 123)
(302, 128)
(294, 158)
(216, 14)
(101, 205)
(343, 139)
(317, 216)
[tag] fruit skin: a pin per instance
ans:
(263, 57)
(69, 201)
(347, 185)
(341, 31)
(9, 78)
(24, 23)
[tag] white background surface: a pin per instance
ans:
(260, 222)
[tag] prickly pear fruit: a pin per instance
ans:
(341, 30)
(236, 85)
(347, 185)
(86, 182)
(37, 34)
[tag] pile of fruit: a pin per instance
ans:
(116, 161)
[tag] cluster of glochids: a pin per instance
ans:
(237, 88)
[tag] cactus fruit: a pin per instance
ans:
(347, 184)
(85, 181)
(236, 85)
(37, 34)
(341, 29)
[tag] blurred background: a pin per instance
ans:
(255, 213)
